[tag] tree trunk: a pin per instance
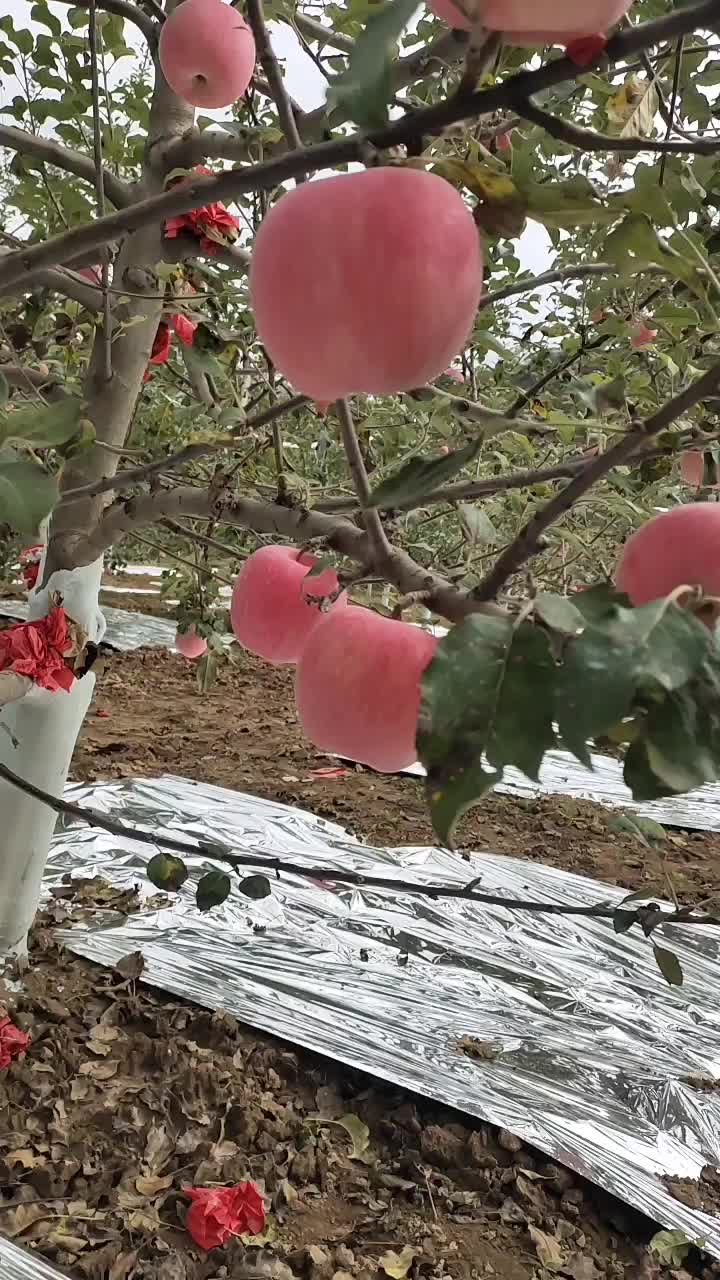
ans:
(45, 725)
(37, 739)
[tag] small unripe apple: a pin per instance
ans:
(642, 336)
(190, 645)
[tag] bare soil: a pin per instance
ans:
(125, 1096)
(148, 719)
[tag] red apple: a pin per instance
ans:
(275, 605)
(678, 548)
(366, 282)
(207, 53)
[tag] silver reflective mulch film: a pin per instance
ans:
(592, 1050)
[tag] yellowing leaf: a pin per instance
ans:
(358, 1133)
(633, 108)
(397, 1265)
(502, 206)
(548, 1249)
(152, 1185)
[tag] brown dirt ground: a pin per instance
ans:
(148, 718)
(126, 1095)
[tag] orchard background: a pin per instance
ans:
(140, 403)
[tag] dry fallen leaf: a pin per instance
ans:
(153, 1185)
(101, 1039)
(158, 1148)
(548, 1249)
(397, 1265)
(100, 1070)
(25, 1157)
(131, 965)
(64, 1240)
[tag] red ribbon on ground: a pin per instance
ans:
(217, 1213)
(13, 1042)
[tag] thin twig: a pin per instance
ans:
(370, 515)
(576, 135)
(273, 74)
(172, 555)
(100, 187)
(278, 866)
(672, 107)
(526, 543)
(580, 271)
(203, 540)
(135, 475)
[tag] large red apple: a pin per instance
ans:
(537, 23)
(366, 282)
(357, 687)
(679, 548)
(207, 53)
(275, 605)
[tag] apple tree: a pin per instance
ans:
(451, 333)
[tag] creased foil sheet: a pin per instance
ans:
(592, 1047)
(18, 1264)
(125, 630)
(561, 774)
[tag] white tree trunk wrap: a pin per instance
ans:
(45, 726)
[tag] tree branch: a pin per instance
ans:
(48, 151)
(216, 145)
(273, 74)
(100, 188)
(526, 543)
(59, 280)
(314, 30)
(296, 524)
(124, 9)
(409, 128)
(579, 271)
(577, 136)
(370, 515)
(277, 866)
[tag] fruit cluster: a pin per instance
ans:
(357, 684)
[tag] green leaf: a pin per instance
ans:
(671, 1247)
(489, 691)
(669, 965)
(27, 493)
(623, 921)
(620, 653)
(4, 389)
(594, 688)
(212, 890)
(255, 887)
(397, 1265)
(166, 871)
(358, 1132)
(636, 244)
(363, 91)
(42, 425)
(559, 613)
(420, 477)
(476, 525)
